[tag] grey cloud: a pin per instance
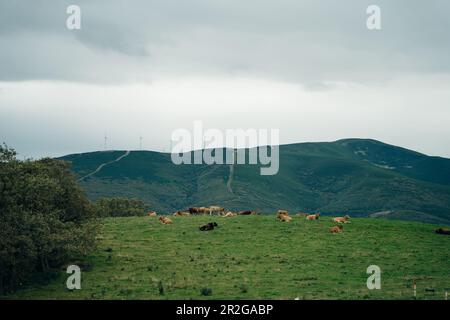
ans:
(309, 42)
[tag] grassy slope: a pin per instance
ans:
(258, 257)
(346, 176)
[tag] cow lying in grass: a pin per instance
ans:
(181, 214)
(230, 214)
(337, 229)
(208, 226)
(165, 220)
(282, 213)
(443, 231)
(345, 219)
(246, 213)
(199, 210)
(313, 216)
(283, 216)
(151, 214)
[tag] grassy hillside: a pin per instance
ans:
(354, 176)
(257, 257)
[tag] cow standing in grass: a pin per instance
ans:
(216, 209)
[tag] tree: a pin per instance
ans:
(45, 218)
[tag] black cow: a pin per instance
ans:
(208, 226)
(246, 213)
(443, 231)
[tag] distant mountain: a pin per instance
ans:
(360, 177)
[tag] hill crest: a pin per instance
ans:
(356, 176)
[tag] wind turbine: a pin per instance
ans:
(105, 140)
(140, 142)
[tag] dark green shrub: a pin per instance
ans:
(120, 207)
(45, 218)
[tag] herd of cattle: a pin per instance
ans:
(281, 215)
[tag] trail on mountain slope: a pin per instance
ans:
(104, 164)
(230, 177)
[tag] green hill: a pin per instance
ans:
(355, 176)
(255, 257)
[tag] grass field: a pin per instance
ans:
(257, 257)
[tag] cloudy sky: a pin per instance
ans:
(145, 68)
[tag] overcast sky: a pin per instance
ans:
(145, 68)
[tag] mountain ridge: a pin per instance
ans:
(356, 176)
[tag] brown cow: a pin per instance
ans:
(337, 229)
(285, 218)
(345, 219)
(151, 214)
(193, 210)
(216, 209)
(199, 210)
(165, 220)
(181, 214)
(282, 213)
(313, 216)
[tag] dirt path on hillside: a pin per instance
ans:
(104, 164)
(230, 177)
